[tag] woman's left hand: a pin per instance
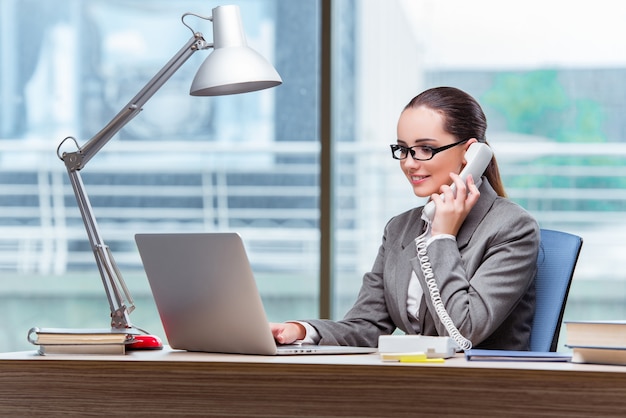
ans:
(451, 211)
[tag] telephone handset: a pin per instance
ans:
(478, 156)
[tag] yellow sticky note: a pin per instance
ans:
(417, 357)
(414, 359)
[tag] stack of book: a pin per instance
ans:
(599, 342)
(79, 341)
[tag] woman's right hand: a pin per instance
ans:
(287, 332)
(452, 211)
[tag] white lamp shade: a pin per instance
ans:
(233, 70)
(232, 67)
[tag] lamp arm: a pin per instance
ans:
(80, 158)
(120, 300)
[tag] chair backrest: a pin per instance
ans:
(556, 262)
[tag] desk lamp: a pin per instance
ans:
(231, 68)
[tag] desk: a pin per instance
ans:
(177, 383)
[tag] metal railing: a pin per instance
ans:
(273, 205)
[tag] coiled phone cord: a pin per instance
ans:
(435, 296)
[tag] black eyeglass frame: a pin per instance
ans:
(434, 151)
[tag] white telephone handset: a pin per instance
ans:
(478, 156)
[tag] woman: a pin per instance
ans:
(482, 247)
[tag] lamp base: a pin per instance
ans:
(145, 342)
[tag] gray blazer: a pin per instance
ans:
(486, 280)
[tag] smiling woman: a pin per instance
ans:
(474, 258)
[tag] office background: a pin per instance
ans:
(302, 171)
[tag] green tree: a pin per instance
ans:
(536, 103)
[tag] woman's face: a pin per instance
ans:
(424, 126)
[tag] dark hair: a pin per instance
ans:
(464, 118)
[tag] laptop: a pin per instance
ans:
(207, 298)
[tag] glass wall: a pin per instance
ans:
(246, 163)
(552, 87)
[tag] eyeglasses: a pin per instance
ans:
(419, 152)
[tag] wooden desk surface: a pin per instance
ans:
(177, 383)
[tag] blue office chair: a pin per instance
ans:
(556, 262)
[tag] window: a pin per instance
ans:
(553, 95)
(253, 163)
(245, 163)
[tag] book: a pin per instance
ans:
(82, 349)
(599, 355)
(512, 355)
(79, 340)
(606, 334)
(77, 336)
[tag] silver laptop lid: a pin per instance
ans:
(205, 292)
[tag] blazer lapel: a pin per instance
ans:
(478, 212)
(404, 268)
